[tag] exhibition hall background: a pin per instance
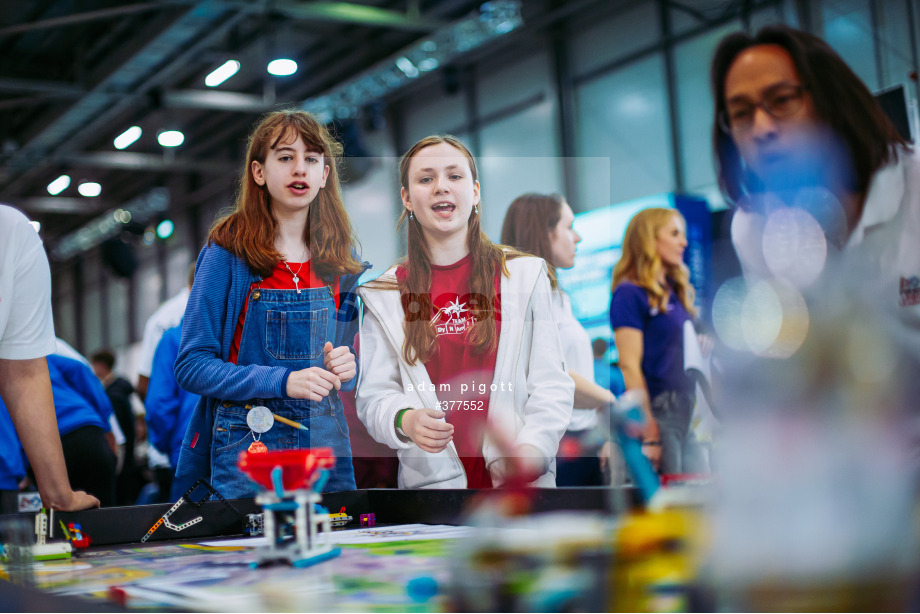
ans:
(603, 106)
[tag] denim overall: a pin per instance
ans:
(283, 328)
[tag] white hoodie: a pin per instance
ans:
(535, 411)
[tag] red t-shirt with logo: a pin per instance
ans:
(281, 278)
(462, 377)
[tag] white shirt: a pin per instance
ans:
(883, 251)
(167, 316)
(26, 323)
(881, 258)
(576, 347)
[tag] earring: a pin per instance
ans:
(476, 209)
(411, 216)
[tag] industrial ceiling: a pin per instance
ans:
(75, 74)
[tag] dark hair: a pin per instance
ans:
(841, 101)
(528, 223)
(599, 347)
(106, 357)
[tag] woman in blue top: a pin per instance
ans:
(652, 298)
(271, 317)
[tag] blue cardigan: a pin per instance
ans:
(222, 283)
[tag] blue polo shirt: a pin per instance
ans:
(662, 336)
(79, 400)
(12, 466)
(169, 407)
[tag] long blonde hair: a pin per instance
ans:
(641, 264)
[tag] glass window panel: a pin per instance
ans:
(434, 113)
(623, 116)
(513, 83)
(92, 317)
(765, 17)
(683, 20)
(600, 42)
(118, 312)
(373, 205)
(147, 281)
(178, 261)
(848, 29)
(519, 154)
(691, 61)
(65, 325)
(894, 40)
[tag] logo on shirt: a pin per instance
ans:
(456, 322)
(910, 291)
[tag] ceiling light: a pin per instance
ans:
(405, 64)
(165, 229)
(282, 67)
(36, 225)
(89, 189)
(59, 185)
(428, 64)
(170, 138)
(127, 137)
(222, 73)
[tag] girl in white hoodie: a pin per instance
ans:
(462, 369)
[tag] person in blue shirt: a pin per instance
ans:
(83, 410)
(83, 413)
(652, 299)
(169, 409)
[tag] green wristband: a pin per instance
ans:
(399, 416)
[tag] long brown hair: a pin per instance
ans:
(841, 101)
(248, 232)
(529, 223)
(641, 264)
(415, 287)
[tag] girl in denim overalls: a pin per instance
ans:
(271, 318)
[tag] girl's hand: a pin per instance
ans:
(426, 430)
(340, 361)
(605, 454)
(520, 465)
(313, 383)
(652, 451)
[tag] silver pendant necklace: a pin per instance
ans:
(296, 275)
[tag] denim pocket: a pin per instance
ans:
(231, 432)
(295, 335)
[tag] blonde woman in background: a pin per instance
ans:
(652, 299)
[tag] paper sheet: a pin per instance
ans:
(368, 535)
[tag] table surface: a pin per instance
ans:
(182, 571)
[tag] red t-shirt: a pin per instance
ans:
(462, 377)
(281, 279)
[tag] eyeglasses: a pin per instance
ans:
(780, 102)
